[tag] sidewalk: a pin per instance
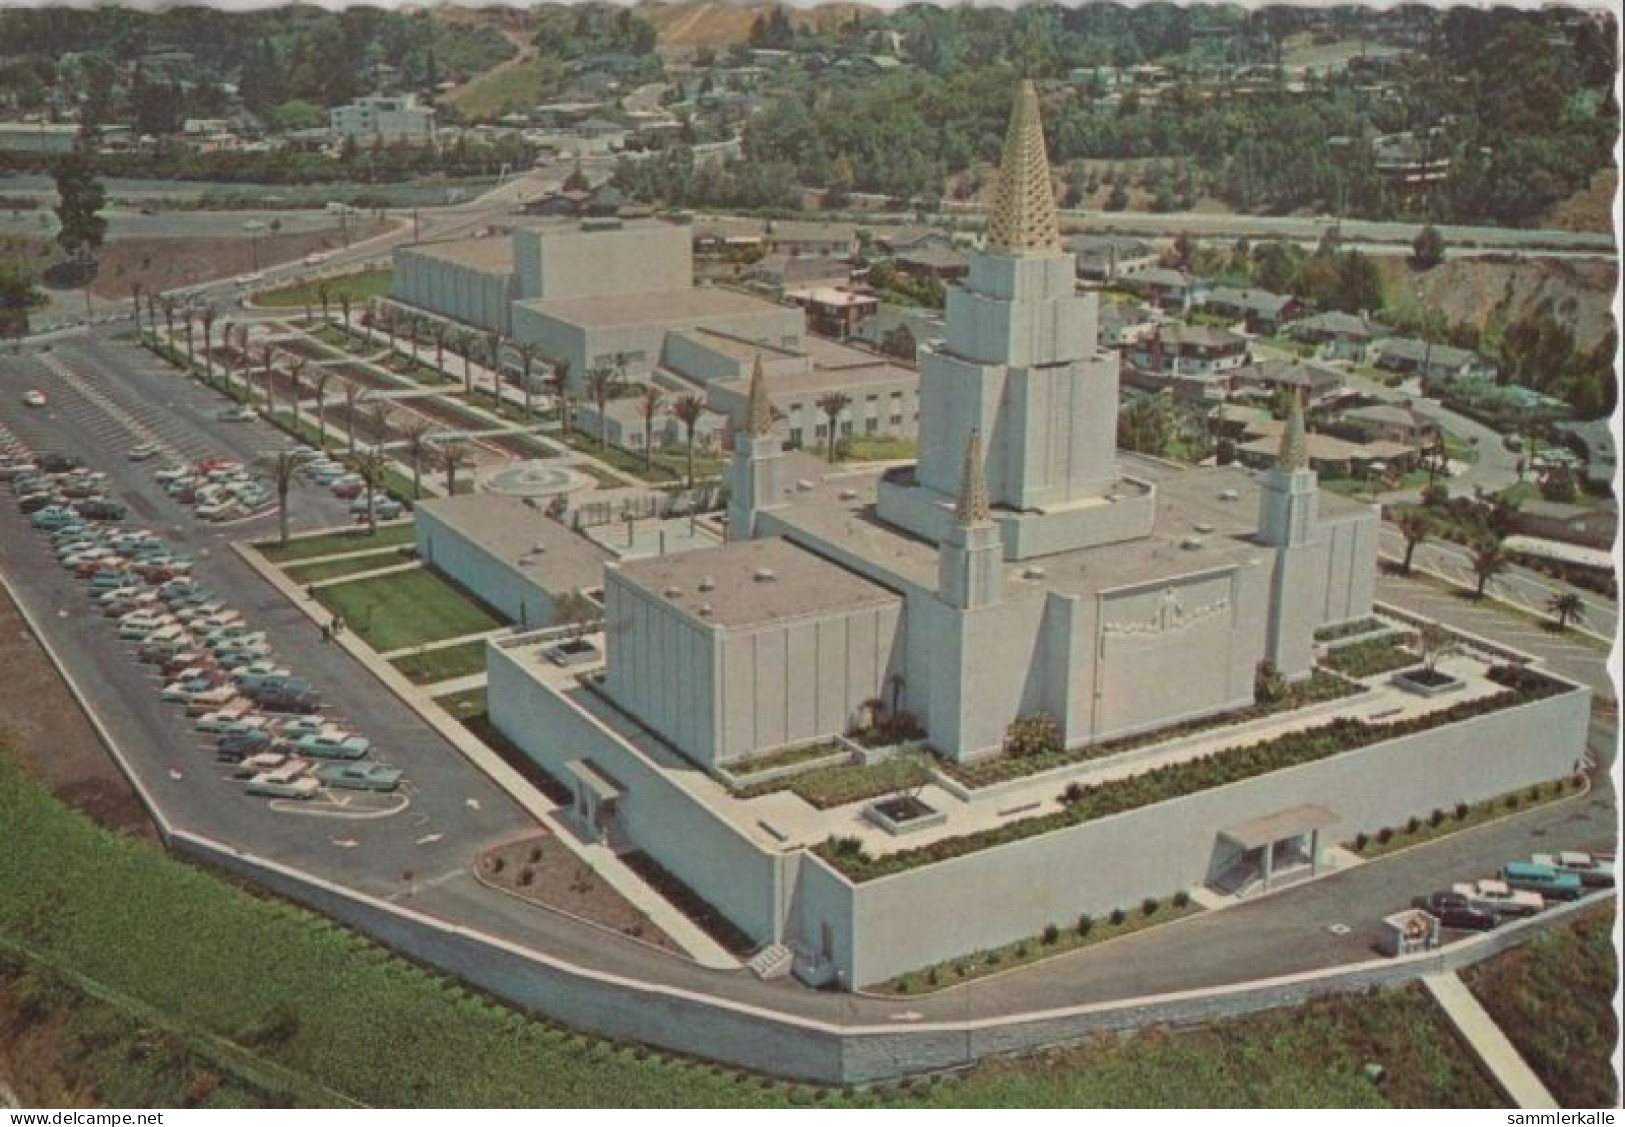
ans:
(1488, 1043)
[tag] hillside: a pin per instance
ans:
(720, 23)
(1497, 289)
(1590, 209)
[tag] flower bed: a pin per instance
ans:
(1368, 659)
(1176, 780)
(1368, 625)
(828, 787)
(1321, 687)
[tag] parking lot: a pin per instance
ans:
(104, 397)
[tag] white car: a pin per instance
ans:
(1498, 897)
(34, 398)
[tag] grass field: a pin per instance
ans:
(442, 664)
(360, 286)
(1554, 999)
(406, 608)
(323, 570)
(333, 543)
(336, 1008)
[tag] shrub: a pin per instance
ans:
(1361, 841)
(1513, 801)
(1534, 793)
(1086, 924)
(1021, 950)
(1461, 811)
(1412, 824)
(931, 977)
(1181, 898)
(1436, 817)
(1052, 935)
(1118, 916)
(1072, 793)
(1149, 905)
(1384, 836)
(1038, 734)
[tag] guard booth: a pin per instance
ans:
(1281, 846)
(595, 797)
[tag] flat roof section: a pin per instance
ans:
(511, 531)
(752, 582)
(653, 308)
(493, 254)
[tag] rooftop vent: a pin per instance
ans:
(849, 494)
(1032, 571)
(1228, 495)
(765, 575)
(1191, 543)
(674, 592)
(704, 610)
(804, 485)
(1204, 527)
(708, 584)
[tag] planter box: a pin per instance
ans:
(1427, 684)
(903, 814)
(572, 653)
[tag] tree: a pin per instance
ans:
(1414, 525)
(1568, 606)
(284, 467)
(80, 199)
(527, 356)
(600, 383)
(324, 294)
(322, 379)
(452, 454)
(352, 392)
(267, 360)
(207, 317)
(1436, 644)
(379, 412)
(441, 333)
(1427, 249)
(415, 443)
(1489, 560)
(344, 309)
(899, 342)
(653, 397)
(18, 296)
(296, 369)
(493, 351)
(372, 466)
(688, 409)
(832, 404)
(135, 299)
(463, 343)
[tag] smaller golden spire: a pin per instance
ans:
(1294, 453)
(758, 411)
(973, 507)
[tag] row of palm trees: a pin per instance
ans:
(1488, 558)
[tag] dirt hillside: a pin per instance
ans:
(1591, 209)
(1504, 288)
(721, 23)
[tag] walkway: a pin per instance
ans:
(1488, 1043)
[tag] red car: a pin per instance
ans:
(347, 490)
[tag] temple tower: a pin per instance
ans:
(1288, 510)
(971, 555)
(758, 458)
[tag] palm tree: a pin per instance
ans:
(653, 397)
(832, 405)
(1489, 560)
(344, 309)
(135, 301)
(296, 368)
(600, 382)
(463, 343)
(324, 294)
(226, 330)
(372, 466)
(191, 357)
(322, 379)
(367, 318)
(351, 391)
(415, 440)
(283, 469)
(441, 333)
(561, 392)
(1568, 606)
(527, 356)
(493, 353)
(169, 307)
(208, 316)
(379, 412)
(453, 453)
(267, 355)
(1415, 526)
(688, 410)
(414, 333)
(390, 319)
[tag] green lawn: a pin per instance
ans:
(323, 570)
(665, 466)
(407, 608)
(360, 286)
(878, 449)
(341, 1010)
(442, 664)
(827, 787)
(333, 543)
(1554, 999)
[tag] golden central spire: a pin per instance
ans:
(758, 411)
(1294, 453)
(1023, 215)
(972, 507)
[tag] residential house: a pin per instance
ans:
(1122, 324)
(1338, 335)
(1172, 291)
(1261, 311)
(1268, 379)
(392, 119)
(933, 260)
(1190, 350)
(834, 311)
(1433, 362)
(1393, 422)
(1592, 526)
(1109, 258)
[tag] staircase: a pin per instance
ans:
(772, 961)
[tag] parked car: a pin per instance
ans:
(111, 577)
(1452, 909)
(53, 462)
(295, 726)
(102, 509)
(275, 784)
(218, 696)
(219, 719)
(333, 743)
(144, 452)
(261, 762)
(360, 776)
(287, 702)
(236, 745)
(1495, 896)
(186, 686)
(1593, 870)
(1547, 881)
(237, 415)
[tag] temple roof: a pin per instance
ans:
(1023, 214)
